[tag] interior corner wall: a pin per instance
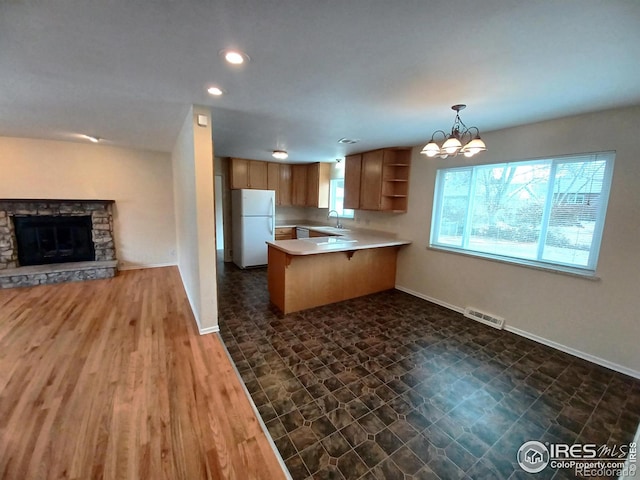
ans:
(138, 180)
(596, 319)
(193, 184)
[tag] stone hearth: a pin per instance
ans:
(12, 274)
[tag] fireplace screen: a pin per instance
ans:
(53, 239)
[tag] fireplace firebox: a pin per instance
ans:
(53, 239)
(45, 241)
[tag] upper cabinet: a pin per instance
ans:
(318, 175)
(299, 185)
(371, 181)
(352, 170)
(284, 187)
(378, 180)
(279, 180)
(248, 174)
(302, 185)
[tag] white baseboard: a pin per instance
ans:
(544, 341)
(141, 267)
(205, 331)
(576, 353)
(430, 299)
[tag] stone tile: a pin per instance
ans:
(349, 390)
(407, 461)
(291, 420)
(388, 441)
(371, 423)
(285, 447)
(336, 445)
(403, 430)
(315, 458)
(340, 417)
(388, 470)
(302, 438)
(354, 434)
(296, 467)
(371, 453)
(322, 427)
(351, 466)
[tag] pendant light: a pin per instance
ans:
(462, 140)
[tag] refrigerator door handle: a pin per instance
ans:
(272, 224)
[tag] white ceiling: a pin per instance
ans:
(381, 71)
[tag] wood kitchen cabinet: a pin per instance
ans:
(285, 233)
(279, 180)
(299, 185)
(273, 177)
(371, 180)
(378, 180)
(284, 185)
(302, 185)
(352, 170)
(395, 180)
(248, 174)
(318, 175)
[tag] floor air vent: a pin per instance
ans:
(491, 320)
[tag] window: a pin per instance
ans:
(336, 198)
(548, 213)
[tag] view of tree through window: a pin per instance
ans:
(547, 211)
(336, 198)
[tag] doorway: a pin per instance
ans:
(219, 216)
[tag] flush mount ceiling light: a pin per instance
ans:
(348, 141)
(461, 140)
(215, 91)
(91, 138)
(234, 57)
(280, 154)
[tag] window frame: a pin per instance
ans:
(588, 270)
(347, 213)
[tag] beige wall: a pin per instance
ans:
(597, 319)
(139, 182)
(192, 160)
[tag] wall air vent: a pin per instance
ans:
(486, 318)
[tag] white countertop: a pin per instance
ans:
(346, 240)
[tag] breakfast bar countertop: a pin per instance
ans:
(338, 240)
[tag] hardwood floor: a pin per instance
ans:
(110, 379)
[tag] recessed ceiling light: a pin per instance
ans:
(215, 91)
(91, 138)
(280, 154)
(348, 141)
(234, 57)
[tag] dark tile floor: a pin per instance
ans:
(390, 386)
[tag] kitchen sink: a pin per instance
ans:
(329, 240)
(333, 229)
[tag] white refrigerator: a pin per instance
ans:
(253, 215)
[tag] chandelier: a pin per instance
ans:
(462, 140)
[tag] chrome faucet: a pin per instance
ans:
(338, 224)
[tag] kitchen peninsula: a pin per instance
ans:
(344, 264)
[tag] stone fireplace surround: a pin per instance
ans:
(104, 266)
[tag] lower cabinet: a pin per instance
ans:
(285, 233)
